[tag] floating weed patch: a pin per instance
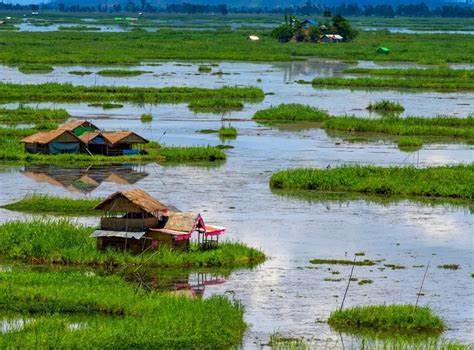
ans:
(205, 69)
(451, 182)
(409, 144)
(387, 318)
(215, 105)
(107, 105)
(360, 254)
(227, 132)
(394, 266)
(80, 72)
(342, 262)
(449, 266)
(385, 106)
(146, 118)
(63, 242)
(46, 204)
(441, 72)
(365, 281)
(207, 131)
(278, 341)
(35, 68)
(287, 113)
(332, 280)
(121, 73)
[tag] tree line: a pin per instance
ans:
(308, 9)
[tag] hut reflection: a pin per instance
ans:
(85, 180)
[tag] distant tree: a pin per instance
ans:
(342, 27)
(314, 34)
(283, 33)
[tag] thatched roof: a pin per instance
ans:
(183, 222)
(89, 136)
(130, 201)
(118, 136)
(75, 123)
(47, 137)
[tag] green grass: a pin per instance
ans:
(440, 72)
(111, 313)
(80, 72)
(440, 126)
(46, 204)
(288, 113)
(394, 266)
(451, 182)
(409, 144)
(205, 69)
(437, 84)
(107, 105)
(121, 73)
(228, 132)
(35, 68)
(365, 281)
(387, 318)
(134, 47)
(55, 92)
(215, 105)
(146, 118)
(385, 106)
(78, 28)
(342, 262)
(63, 242)
(27, 115)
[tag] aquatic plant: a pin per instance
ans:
(409, 142)
(146, 118)
(288, 113)
(63, 242)
(28, 115)
(443, 72)
(80, 72)
(434, 182)
(437, 84)
(387, 318)
(42, 203)
(449, 266)
(215, 105)
(204, 69)
(394, 266)
(72, 93)
(365, 281)
(385, 106)
(35, 68)
(121, 73)
(445, 126)
(227, 132)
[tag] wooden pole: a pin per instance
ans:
(421, 287)
(348, 284)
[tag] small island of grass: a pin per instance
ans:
(385, 106)
(215, 105)
(35, 68)
(146, 118)
(387, 318)
(227, 132)
(121, 73)
(28, 115)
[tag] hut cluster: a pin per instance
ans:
(81, 136)
(135, 221)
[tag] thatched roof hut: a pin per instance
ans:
(132, 201)
(52, 142)
(79, 127)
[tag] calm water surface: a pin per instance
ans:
(286, 293)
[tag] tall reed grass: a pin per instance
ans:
(63, 242)
(436, 182)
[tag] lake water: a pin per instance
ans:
(278, 79)
(286, 293)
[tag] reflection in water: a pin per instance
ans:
(177, 282)
(85, 180)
